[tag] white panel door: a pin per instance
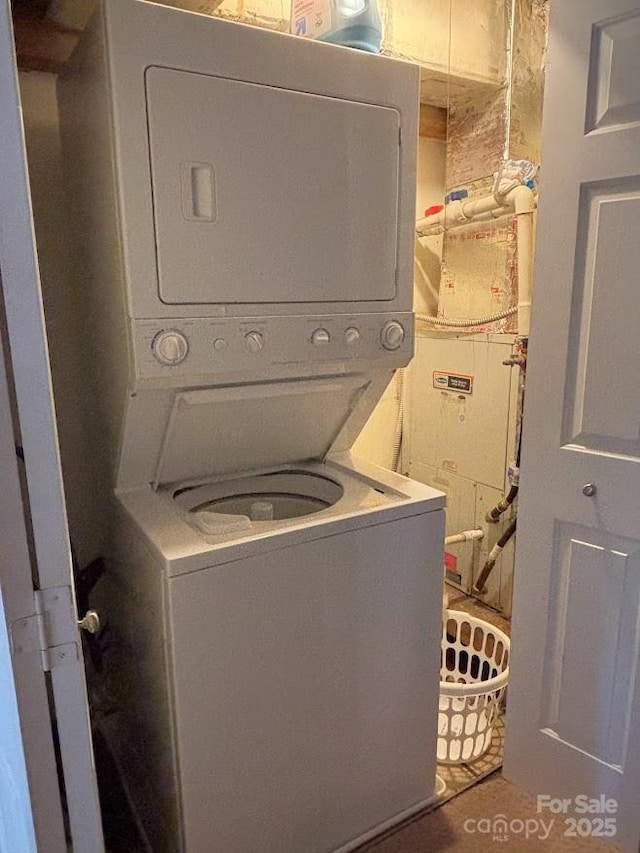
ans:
(574, 701)
(51, 564)
(267, 195)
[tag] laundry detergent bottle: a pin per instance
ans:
(351, 23)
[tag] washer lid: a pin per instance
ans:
(252, 427)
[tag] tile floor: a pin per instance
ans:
(454, 827)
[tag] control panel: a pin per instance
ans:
(200, 346)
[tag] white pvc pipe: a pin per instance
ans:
(525, 271)
(492, 215)
(520, 201)
(424, 229)
(459, 213)
(465, 536)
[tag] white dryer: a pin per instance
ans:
(245, 202)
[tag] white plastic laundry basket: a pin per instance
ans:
(474, 671)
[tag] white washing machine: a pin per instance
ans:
(279, 675)
(245, 203)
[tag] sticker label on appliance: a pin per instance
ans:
(450, 561)
(310, 18)
(453, 381)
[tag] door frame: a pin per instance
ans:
(28, 675)
(35, 513)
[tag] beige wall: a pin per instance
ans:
(376, 440)
(428, 250)
(435, 33)
(56, 256)
(480, 262)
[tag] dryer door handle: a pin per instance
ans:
(197, 189)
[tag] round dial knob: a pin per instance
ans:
(170, 346)
(320, 337)
(254, 341)
(392, 334)
(351, 335)
(220, 344)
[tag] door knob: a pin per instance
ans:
(590, 490)
(90, 622)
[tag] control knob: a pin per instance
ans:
(170, 347)
(320, 337)
(351, 335)
(254, 341)
(392, 335)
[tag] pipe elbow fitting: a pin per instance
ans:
(523, 199)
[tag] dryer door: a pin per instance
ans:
(265, 195)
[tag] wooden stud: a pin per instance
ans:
(42, 45)
(433, 122)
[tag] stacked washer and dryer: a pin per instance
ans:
(246, 211)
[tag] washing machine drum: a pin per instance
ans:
(234, 505)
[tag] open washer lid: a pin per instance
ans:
(251, 427)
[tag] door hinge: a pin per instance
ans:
(51, 630)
